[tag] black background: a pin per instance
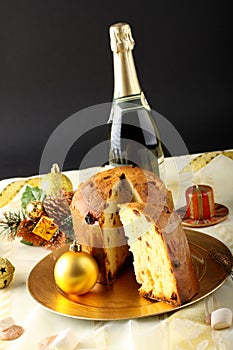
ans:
(55, 60)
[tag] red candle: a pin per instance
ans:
(200, 202)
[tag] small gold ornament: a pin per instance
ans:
(6, 272)
(45, 228)
(75, 271)
(34, 210)
(55, 181)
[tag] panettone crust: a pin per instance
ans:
(92, 195)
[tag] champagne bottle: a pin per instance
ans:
(134, 136)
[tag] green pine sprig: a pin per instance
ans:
(9, 223)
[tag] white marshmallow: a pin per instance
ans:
(6, 323)
(65, 340)
(221, 318)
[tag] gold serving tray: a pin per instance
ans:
(121, 300)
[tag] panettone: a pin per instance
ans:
(95, 214)
(160, 252)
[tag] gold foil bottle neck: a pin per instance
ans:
(121, 39)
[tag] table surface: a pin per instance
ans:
(184, 329)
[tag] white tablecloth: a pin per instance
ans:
(184, 329)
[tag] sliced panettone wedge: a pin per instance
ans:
(163, 264)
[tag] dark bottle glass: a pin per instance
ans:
(134, 136)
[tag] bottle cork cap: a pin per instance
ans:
(121, 37)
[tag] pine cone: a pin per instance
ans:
(68, 196)
(57, 206)
(58, 241)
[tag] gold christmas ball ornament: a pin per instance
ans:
(55, 181)
(75, 271)
(6, 272)
(34, 210)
